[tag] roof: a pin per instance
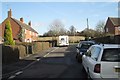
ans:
(115, 21)
(87, 42)
(24, 25)
(108, 45)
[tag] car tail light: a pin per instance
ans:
(97, 68)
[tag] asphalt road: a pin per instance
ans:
(58, 63)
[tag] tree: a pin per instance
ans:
(72, 30)
(49, 33)
(21, 35)
(8, 38)
(100, 29)
(57, 28)
(88, 32)
(100, 26)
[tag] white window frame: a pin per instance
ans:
(25, 31)
(30, 32)
(118, 28)
(106, 29)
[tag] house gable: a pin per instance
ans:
(109, 27)
(14, 26)
(17, 26)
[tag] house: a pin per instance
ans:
(112, 26)
(21, 32)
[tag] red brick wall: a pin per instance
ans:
(30, 35)
(110, 26)
(15, 28)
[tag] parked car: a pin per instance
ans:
(102, 61)
(82, 48)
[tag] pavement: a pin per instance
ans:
(9, 69)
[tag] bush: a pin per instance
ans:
(8, 39)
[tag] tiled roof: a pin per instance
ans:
(115, 21)
(24, 25)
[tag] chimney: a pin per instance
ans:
(9, 13)
(21, 19)
(29, 23)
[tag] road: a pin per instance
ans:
(59, 63)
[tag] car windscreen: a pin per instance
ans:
(62, 39)
(112, 54)
(86, 45)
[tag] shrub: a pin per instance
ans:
(8, 39)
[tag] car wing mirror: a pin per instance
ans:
(87, 54)
(77, 47)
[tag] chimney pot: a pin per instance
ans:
(9, 13)
(29, 23)
(21, 19)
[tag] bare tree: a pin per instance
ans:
(100, 29)
(72, 30)
(57, 27)
(100, 26)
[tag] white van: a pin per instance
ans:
(63, 40)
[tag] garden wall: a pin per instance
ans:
(10, 54)
(14, 53)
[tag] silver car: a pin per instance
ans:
(102, 61)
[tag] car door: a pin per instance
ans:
(110, 63)
(85, 58)
(93, 60)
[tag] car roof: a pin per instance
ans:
(108, 45)
(87, 42)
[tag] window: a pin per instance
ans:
(89, 52)
(36, 35)
(119, 28)
(33, 33)
(106, 29)
(25, 31)
(95, 53)
(112, 54)
(30, 32)
(62, 39)
(86, 45)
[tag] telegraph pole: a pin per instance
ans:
(87, 30)
(87, 24)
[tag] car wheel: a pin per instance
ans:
(76, 56)
(78, 59)
(83, 69)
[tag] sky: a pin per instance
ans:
(42, 14)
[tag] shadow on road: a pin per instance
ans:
(59, 64)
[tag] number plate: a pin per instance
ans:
(117, 69)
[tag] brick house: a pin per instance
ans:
(112, 26)
(21, 32)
